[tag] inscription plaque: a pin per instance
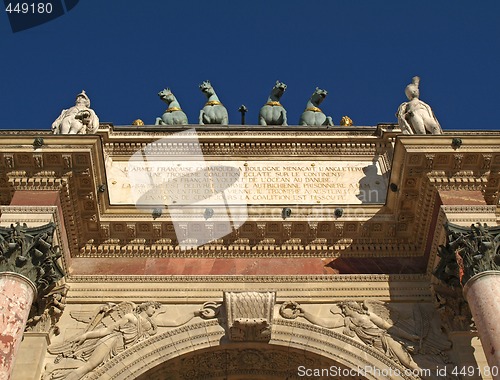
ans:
(245, 182)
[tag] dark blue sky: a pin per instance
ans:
(363, 52)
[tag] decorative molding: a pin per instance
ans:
(249, 278)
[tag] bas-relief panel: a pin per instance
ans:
(397, 334)
(176, 182)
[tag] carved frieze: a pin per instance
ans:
(112, 329)
(407, 334)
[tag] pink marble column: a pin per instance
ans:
(16, 295)
(482, 293)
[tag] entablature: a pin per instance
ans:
(415, 169)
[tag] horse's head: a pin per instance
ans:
(318, 96)
(166, 95)
(207, 88)
(278, 89)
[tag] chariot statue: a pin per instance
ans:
(79, 119)
(214, 111)
(174, 114)
(415, 116)
(313, 115)
(273, 113)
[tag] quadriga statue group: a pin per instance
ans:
(414, 116)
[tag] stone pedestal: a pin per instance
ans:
(482, 293)
(30, 357)
(16, 296)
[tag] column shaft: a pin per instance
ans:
(482, 293)
(16, 296)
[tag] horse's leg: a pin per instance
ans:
(201, 117)
(328, 122)
(262, 120)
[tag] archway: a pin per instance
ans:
(251, 361)
(202, 351)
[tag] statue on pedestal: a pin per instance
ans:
(79, 119)
(312, 115)
(174, 114)
(214, 111)
(273, 113)
(415, 116)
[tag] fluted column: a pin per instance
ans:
(16, 296)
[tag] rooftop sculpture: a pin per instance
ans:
(313, 115)
(79, 119)
(415, 116)
(174, 114)
(273, 113)
(214, 111)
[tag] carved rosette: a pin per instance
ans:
(468, 251)
(249, 315)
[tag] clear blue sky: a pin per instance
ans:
(363, 52)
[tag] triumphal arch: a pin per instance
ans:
(249, 252)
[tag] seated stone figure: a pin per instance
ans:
(214, 111)
(312, 115)
(273, 113)
(79, 119)
(415, 116)
(174, 114)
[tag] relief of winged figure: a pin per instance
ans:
(379, 325)
(110, 331)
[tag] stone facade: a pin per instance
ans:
(247, 252)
